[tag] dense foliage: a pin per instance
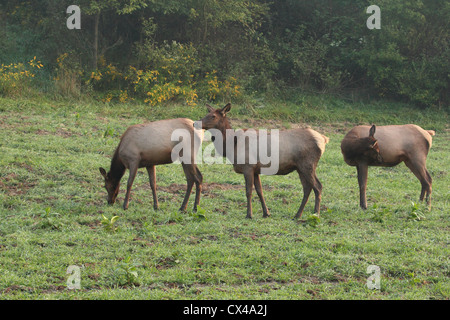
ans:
(161, 50)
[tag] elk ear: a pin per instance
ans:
(225, 109)
(372, 131)
(209, 108)
(103, 172)
(373, 144)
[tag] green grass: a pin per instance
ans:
(52, 204)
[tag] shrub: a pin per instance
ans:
(213, 88)
(171, 72)
(16, 77)
(68, 75)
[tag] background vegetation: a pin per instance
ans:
(164, 50)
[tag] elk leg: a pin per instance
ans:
(362, 170)
(318, 194)
(133, 170)
(198, 186)
(190, 183)
(430, 182)
(421, 172)
(258, 188)
(307, 187)
(248, 191)
(152, 177)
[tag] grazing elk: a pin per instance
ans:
(148, 145)
(393, 144)
(298, 149)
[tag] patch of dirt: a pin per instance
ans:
(12, 187)
(52, 288)
(15, 288)
(208, 189)
(42, 132)
(13, 123)
(61, 132)
(64, 132)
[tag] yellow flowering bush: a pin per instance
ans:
(68, 75)
(106, 77)
(226, 89)
(172, 73)
(116, 95)
(15, 77)
(170, 91)
(169, 77)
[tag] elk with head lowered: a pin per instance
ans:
(298, 149)
(148, 145)
(393, 144)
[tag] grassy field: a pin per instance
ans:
(52, 204)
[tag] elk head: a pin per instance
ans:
(216, 118)
(370, 149)
(111, 186)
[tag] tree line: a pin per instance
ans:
(160, 50)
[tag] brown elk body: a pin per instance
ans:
(148, 145)
(299, 149)
(387, 146)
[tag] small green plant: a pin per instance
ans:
(313, 220)
(50, 220)
(169, 261)
(379, 214)
(46, 213)
(109, 132)
(200, 215)
(174, 217)
(109, 224)
(126, 272)
(413, 280)
(416, 214)
(77, 119)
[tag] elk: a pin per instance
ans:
(393, 144)
(148, 145)
(298, 149)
